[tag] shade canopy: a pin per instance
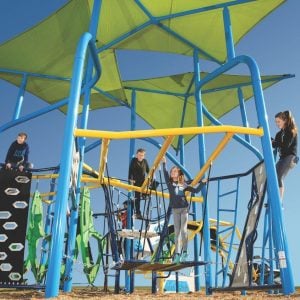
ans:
(161, 101)
(45, 53)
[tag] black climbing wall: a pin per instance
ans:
(14, 203)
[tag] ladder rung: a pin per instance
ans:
(225, 230)
(228, 193)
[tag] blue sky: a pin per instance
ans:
(275, 45)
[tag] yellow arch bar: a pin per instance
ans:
(129, 187)
(166, 132)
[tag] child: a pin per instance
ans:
(180, 207)
(17, 154)
(286, 141)
(122, 216)
(137, 170)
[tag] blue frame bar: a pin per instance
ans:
(207, 91)
(33, 115)
(31, 74)
(20, 98)
(47, 226)
(59, 222)
(129, 278)
(243, 113)
(228, 34)
(205, 206)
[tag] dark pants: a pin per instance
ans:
(283, 166)
(137, 202)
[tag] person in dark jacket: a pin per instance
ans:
(17, 154)
(286, 142)
(137, 170)
(177, 187)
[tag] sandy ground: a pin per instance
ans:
(94, 293)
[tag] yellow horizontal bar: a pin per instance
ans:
(129, 187)
(165, 132)
(45, 176)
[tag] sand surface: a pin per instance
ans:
(96, 293)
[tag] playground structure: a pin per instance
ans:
(196, 113)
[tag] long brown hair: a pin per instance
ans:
(290, 123)
(181, 178)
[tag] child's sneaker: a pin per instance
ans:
(176, 258)
(184, 257)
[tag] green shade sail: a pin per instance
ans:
(45, 53)
(190, 24)
(162, 110)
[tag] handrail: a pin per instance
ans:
(166, 132)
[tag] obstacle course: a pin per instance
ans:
(180, 108)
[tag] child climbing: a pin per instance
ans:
(286, 141)
(177, 187)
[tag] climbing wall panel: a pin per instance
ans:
(14, 203)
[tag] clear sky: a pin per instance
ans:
(274, 43)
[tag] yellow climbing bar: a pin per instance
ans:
(157, 160)
(103, 158)
(166, 132)
(129, 187)
(213, 156)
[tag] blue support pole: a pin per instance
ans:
(181, 153)
(20, 98)
(59, 222)
(272, 185)
(243, 113)
(84, 121)
(228, 34)
(47, 226)
(129, 275)
(202, 160)
(180, 145)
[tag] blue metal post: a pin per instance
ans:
(47, 226)
(59, 222)
(243, 112)
(181, 137)
(228, 34)
(20, 98)
(129, 277)
(84, 121)
(202, 159)
(181, 143)
(272, 184)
